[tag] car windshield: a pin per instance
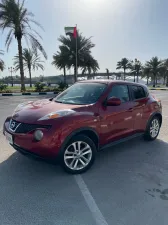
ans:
(81, 93)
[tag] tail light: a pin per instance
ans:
(158, 101)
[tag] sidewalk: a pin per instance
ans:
(29, 93)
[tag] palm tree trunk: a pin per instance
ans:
(30, 76)
(21, 64)
(124, 74)
(147, 80)
(64, 75)
(167, 81)
(164, 80)
(137, 76)
(154, 80)
(75, 74)
(134, 77)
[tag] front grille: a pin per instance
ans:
(13, 125)
(23, 128)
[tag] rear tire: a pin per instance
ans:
(78, 155)
(153, 129)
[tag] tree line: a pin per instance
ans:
(153, 70)
(18, 20)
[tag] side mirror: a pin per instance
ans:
(113, 102)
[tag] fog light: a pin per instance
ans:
(38, 135)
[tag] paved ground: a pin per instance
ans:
(127, 185)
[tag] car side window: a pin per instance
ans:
(121, 92)
(138, 92)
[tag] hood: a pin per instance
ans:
(31, 111)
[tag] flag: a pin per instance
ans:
(71, 31)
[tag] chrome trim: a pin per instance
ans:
(15, 128)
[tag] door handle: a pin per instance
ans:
(130, 109)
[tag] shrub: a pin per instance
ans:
(3, 87)
(62, 86)
(39, 86)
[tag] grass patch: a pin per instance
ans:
(17, 89)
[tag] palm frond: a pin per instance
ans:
(15, 17)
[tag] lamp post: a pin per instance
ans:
(107, 71)
(11, 70)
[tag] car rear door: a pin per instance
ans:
(117, 121)
(140, 99)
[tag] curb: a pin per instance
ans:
(29, 93)
(159, 89)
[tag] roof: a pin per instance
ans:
(104, 81)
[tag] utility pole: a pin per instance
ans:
(11, 70)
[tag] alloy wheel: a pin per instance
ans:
(77, 155)
(154, 128)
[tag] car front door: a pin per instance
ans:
(117, 121)
(140, 100)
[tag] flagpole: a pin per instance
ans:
(76, 54)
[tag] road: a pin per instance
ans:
(127, 185)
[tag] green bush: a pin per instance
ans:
(3, 87)
(62, 86)
(39, 86)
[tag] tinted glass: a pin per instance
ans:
(121, 92)
(81, 93)
(138, 92)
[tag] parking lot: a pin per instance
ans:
(128, 183)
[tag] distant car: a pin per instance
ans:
(85, 118)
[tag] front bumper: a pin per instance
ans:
(47, 148)
(33, 155)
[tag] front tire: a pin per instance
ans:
(153, 129)
(78, 155)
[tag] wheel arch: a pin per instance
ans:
(158, 114)
(87, 131)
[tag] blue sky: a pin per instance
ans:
(120, 28)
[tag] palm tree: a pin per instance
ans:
(89, 65)
(154, 66)
(17, 19)
(123, 64)
(146, 73)
(84, 49)
(31, 61)
(135, 68)
(61, 60)
(2, 65)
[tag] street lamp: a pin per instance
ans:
(107, 71)
(11, 70)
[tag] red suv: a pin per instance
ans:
(85, 118)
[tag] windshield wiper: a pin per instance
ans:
(58, 101)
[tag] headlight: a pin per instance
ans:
(57, 114)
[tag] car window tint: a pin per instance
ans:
(138, 92)
(121, 92)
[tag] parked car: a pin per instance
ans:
(87, 117)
